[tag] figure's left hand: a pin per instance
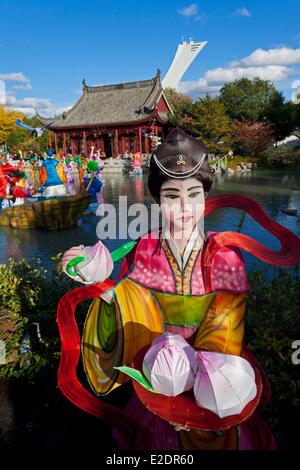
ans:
(88, 264)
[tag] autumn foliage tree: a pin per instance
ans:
(253, 137)
(7, 122)
(18, 136)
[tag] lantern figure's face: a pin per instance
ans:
(182, 204)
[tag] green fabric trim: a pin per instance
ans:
(107, 330)
(183, 310)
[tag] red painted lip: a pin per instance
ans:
(185, 218)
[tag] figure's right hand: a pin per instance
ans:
(88, 264)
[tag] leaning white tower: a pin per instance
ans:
(185, 54)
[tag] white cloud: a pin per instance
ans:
(202, 17)
(213, 80)
(295, 84)
(242, 12)
(272, 64)
(24, 110)
(200, 86)
(14, 77)
(278, 56)
(27, 86)
(2, 92)
(61, 109)
(30, 105)
(221, 75)
(191, 10)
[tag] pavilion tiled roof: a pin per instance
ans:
(112, 104)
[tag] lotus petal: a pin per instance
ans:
(96, 268)
(224, 383)
(170, 365)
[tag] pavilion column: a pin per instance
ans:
(101, 144)
(72, 147)
(136, 141)
(112, 147)
(122, 150)
(116, 143)
(140, 141)
(49, 140)
(132, 143)
(120, 143)
(88, 146)
(146, 144)
(64, 142)
(84, 146)
(55, 143)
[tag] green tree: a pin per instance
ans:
(246, 99)
(181, 107)
(284, 115)
(210, 124)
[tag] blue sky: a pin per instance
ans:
(48, 47)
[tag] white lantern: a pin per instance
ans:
(224, 383)
(170, 365)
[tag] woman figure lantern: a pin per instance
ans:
(173, 320)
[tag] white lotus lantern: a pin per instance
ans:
(170, 365)
(224, 383)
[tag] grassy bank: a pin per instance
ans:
(271, 158)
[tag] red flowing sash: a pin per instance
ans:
(288, 255)
(70, 353)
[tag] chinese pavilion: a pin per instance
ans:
(113, 118)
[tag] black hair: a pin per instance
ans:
(157, 177)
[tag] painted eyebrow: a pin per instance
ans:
(195, 187)
(175, 189)
(170, 189)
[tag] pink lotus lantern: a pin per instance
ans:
(170, 365)
(96, 264)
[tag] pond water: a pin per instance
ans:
(271, 188)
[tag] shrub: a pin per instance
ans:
(28, 295)
(272, 324)
(281, 157)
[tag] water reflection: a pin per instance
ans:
(272, 189)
